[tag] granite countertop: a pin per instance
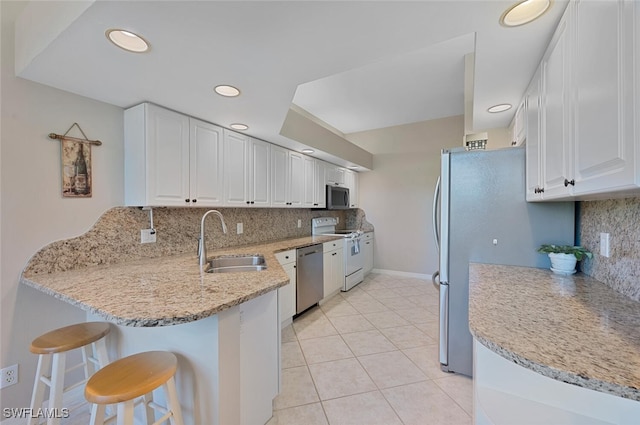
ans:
(167, 290)
(574, 329)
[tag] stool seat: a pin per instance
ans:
(69, 337)
(131, 377)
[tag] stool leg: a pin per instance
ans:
(97, 414)
(149, 413)
(89, 368)
(57, 386)
(44, 363)
(101, 352)
(125, 413)
(173, 403)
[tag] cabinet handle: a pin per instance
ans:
(194, 200)
(248, 202)
(252, 202)
(334, 253)
(315, 205)
(571, 182)
(286, 257)
(187, 200)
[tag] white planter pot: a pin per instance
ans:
(563, 263)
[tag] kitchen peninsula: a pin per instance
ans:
(224, 327)
(552, 347)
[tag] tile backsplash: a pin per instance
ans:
(116, 235)
(621, 219)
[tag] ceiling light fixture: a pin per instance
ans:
(352, 167)
(127, 40)
(239, 126)
(308, 151)
(524, 12)
(499, 108)
(227, 91)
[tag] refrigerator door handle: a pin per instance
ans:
(435, 281)
(436, 230)
(445, 182)
(444, 323)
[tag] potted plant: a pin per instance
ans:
(564, 257)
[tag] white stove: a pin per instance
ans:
(353, 259)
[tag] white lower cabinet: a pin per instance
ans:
(366, 247)
(505, 393)
(287, 293)
(332, 267)
(259, 358)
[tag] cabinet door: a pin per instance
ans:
(335, 175)
(556, 136)
(308, 196)
(287, 294)
(351, 181)
(260, 173)
(367, 252)
(206, 164)
(319, 197)
(603, 78)
(296, 179)
(279, 176)
(167, 143)
(333, 271)
(337, 258)
(259, 358)
(236, 148)
(532, 146)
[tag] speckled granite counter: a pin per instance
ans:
(573, 329)
(166, 290)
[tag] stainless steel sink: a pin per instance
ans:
(246, 263)
(237, 269)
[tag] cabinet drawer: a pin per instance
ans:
(286, 257)
(331, 245)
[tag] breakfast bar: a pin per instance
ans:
(224, 327)
(537, 333)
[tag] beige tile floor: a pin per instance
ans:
(370, 356)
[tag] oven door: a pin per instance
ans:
(354, 260)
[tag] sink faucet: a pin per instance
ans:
(202, 246)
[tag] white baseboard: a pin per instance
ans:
(402, 274)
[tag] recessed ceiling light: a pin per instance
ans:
(308, 151)
(524, 12)
(239, 126)
(499, 108)
(127, 40)
(227, 91)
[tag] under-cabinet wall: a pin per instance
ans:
(115, 237)
(619, 218)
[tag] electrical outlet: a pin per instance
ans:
(239, 228)
(605, 245)
(9, 376)
(299, 223)
(147, 236)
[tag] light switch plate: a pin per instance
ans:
(605, 245)
(239, 228)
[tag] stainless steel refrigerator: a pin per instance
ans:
(480, 215)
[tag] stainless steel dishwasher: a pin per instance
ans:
(309, 277)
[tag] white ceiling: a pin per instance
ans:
(355, 65)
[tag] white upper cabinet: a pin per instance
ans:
(296, 179)
(335, 175)
(279, 176)
(590, 125)
(320, 191)
(248, 164)
(606, 144)
(351, 182)
(309, 192)
(206, 163)
(556, 141)
(533, 144)
(517, 126)
(162, 167)
(236, 160)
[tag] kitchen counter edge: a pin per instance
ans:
(573, 329)
(135, 293)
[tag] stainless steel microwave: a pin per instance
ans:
(337, 197)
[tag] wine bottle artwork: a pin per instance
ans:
(76, 165)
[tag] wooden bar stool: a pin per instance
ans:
(52, 348)
(130, 378)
